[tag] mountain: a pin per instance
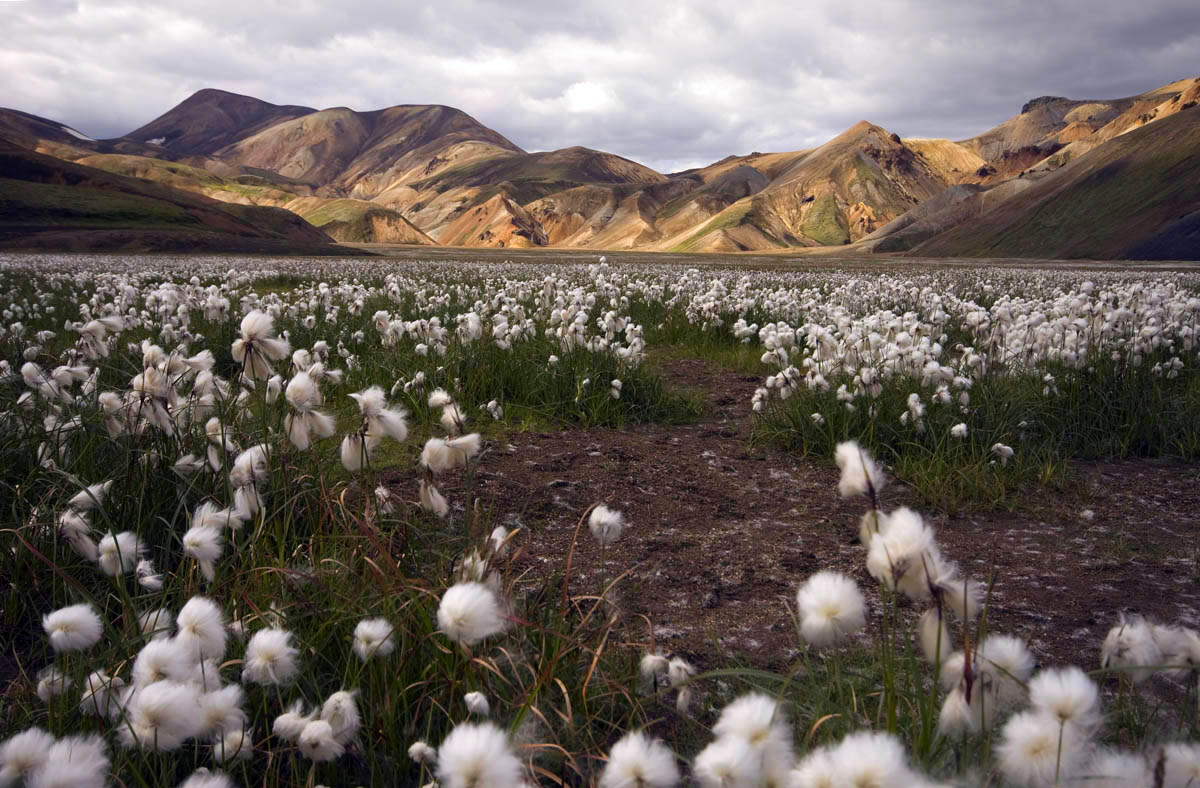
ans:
(1135, 196)
(50, 204)
(210, 120)
(431, 174)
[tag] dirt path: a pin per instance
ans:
(721, 534)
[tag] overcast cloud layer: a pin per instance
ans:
(671, 85)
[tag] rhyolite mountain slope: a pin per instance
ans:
(433, 174)
(47, 203)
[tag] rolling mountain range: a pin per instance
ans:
(1115, 178)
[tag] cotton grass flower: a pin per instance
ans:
(289, 725)
(1068, 696)
(91, 497)
(1112, 769)
(1036, 749)
(1131, 648)
(762, 724)
(233, 745)
(101, 695)
(203, 778)
(73, 628)
(1182, 765)
(73, 762)
(316, 742)
(373, 638)
(24, 753)
(221, 711)
(256, 349)
(477, 704)
(831, 608)
(119, 553)
(204, 544)
(431, 500)
(270, 658)
(340, 710)
(904, 555)
(639, 761)
(468, 613)
(306, 422)
(379, 421)
(162, 660)
(422, 753)
(727, 762)
(161, 717)
(606, 525)
(201, 627)
(860, 473)
(52, 682)
(478, 756)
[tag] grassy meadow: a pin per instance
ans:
(231, 554)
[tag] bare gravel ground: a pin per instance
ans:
(721, 534)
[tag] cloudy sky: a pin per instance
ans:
(669, 84)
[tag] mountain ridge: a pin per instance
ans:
(434, 174)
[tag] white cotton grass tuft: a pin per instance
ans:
(865, 758)
(1181, 650)
(203, 778)
(52, 682)
(162, 660)
(904, 555)
(119, 553)
(157, 622)
(1114, 769)
(432, 500)
(1182, 765)
(477, 704)
(201, 629)
(762, 724)
(90, 497)
(1131, 648)
(289, 725)
(316, 742)
(101, 695)
(1068, 696)
(257, 347)
(306, 422)
(475, 755)
(727, 762)
(73, 628)
(161, 716)
(1036, 749)
(606, 524)
(270, 658)
(221, 711)
(340, 710)
(639, 761)
(422, 753)
(373, 638)
(1010, 663)
(24, 753)
(445, 454)
(73, 762)
(204, 544)
(860, 473)
(469, 612)
(831, 608)
(379, 420)
(933, 636)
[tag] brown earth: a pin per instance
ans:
(721, 534)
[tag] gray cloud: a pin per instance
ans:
(668, 84)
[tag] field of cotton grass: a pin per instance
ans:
(240, 544)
